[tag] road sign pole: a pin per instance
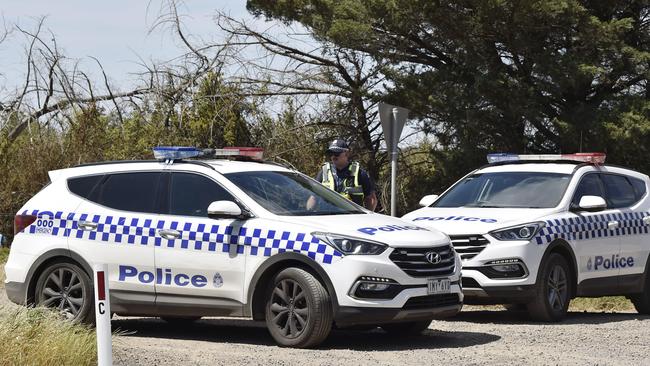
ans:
(392, 120)
(393, 163)
(103, 316)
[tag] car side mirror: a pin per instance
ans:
(224, 209)
(428, 200)
(592, 203)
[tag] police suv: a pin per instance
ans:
(189, 238)
(539, 230)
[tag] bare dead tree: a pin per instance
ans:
(53, 85)
(322, 74)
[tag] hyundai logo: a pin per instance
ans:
(433, 257)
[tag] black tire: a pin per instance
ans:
(408, 328)
(180, 320)
(298, 309)
(554, 289)
(642, 301)
(66, 287)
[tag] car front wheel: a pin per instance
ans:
(298, 309)
(553, 291)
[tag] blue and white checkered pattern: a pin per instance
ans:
(593, 226)
(194, 235)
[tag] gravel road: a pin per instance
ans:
(475, 337)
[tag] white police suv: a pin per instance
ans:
(190, 238)
(541, 229)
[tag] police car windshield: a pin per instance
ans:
(507, 190)
(288, 193)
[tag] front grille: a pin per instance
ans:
(468, 246)
(431, 301)
(414, 263)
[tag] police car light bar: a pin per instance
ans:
(183, 152)
(176, 152)
(593, 158)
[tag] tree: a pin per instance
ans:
(522, 76)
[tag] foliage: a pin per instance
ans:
(39, 336)
(520, 76)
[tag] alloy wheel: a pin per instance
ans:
(289, 308)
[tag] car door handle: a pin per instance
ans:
(612, 225)
(87, 225)
(169, 234)
(646, 220)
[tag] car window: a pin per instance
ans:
(291, 194)
(639, 187)
(590, 185)
(619, 191)
(130, 191)
(191, 194)
(83, 186)
(507, 189)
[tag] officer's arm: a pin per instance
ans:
(371, 201)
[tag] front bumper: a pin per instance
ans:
(411, 302)
(480, 286)
(347, 316)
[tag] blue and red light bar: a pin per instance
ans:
(184, 152)
(593, 158)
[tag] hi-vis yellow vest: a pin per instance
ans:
(352, 190)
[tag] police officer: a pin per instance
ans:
(346, 177)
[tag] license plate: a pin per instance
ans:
(438, 286)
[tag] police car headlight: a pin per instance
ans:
(347, 245)
(521, 232)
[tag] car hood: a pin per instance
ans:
(389, 230)
(474, 220)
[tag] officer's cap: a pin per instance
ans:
(338, 146)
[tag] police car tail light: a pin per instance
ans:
(520, 232)
(351, 246)
(22, 221)
(593, 157)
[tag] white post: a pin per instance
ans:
(103, 316)
(393, 163)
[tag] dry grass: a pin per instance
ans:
(599, 304)
(39, 336)
(4, 253)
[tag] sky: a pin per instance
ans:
(116, 32)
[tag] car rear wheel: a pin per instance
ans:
(553, 291)
(66, 287)
(408, 328)
(298, 309)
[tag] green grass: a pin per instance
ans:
(38, 336)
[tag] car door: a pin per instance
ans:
(199, 257)
(116, 226)
(596, 236)
(623, 196)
